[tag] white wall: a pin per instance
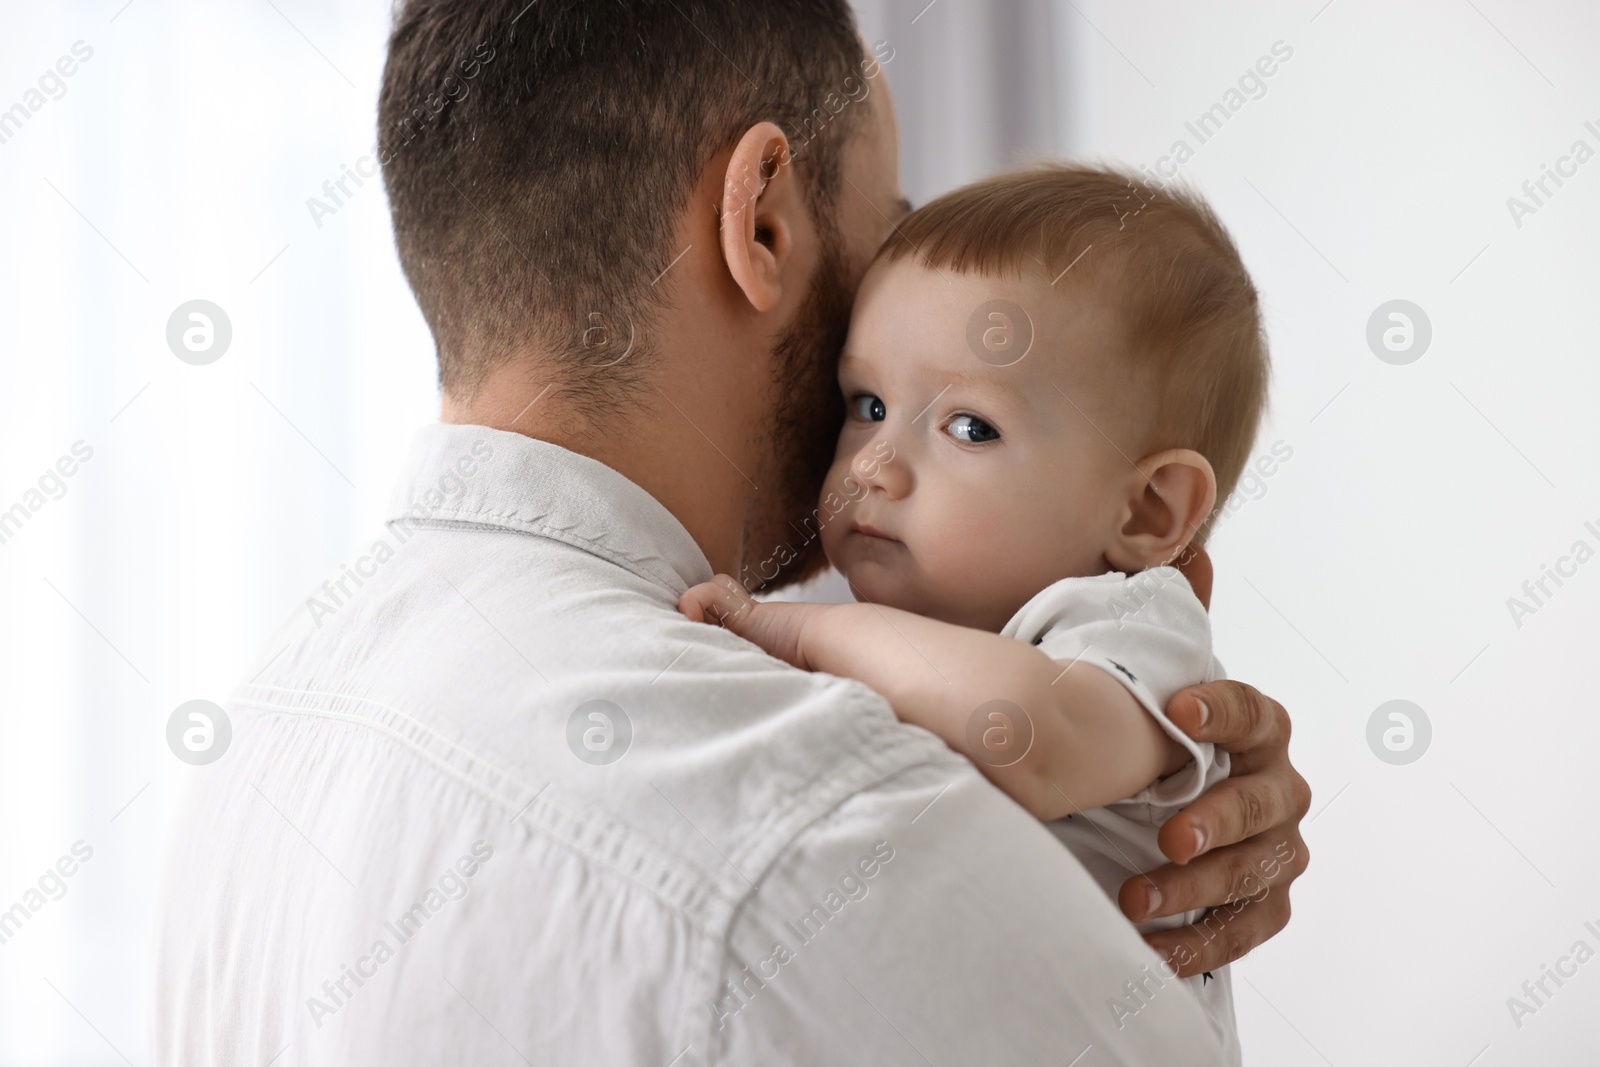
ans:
(190, 141)
(1378, 563)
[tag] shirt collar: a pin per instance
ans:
(474, 474)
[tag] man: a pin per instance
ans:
(491, 798)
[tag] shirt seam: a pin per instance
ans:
(698, 899)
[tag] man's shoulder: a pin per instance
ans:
(584, 687)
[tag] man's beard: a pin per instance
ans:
(782, 543)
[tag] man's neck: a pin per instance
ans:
(681, 449)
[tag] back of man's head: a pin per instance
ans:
(538, 156)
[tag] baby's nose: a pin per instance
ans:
(879, 465)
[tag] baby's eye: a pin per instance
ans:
(971, 429)
(868, 407)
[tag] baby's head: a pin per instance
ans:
(1049, 374)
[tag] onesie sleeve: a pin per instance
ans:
(1151, 633)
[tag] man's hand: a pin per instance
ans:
(775, 626)
(1237, 847)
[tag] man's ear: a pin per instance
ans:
(1167, 500)
(762, 206)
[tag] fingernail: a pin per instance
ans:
(1199, 840)
(1152, 901)
(1205, 712)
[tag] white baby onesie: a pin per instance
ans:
(1150, 632)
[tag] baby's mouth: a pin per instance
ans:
(866, 529)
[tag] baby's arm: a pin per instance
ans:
(1093, 743)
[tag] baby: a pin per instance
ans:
(1051, 379)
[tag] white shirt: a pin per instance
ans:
(413, 850)
(1151, 633)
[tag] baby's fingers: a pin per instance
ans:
(721, 601)
(693, 604)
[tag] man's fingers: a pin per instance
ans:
(1232, 715)
(1263, 865)
(1253, 876)
(1222, 936)
(1237, 847)
(1233, 810)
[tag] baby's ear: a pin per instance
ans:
(1165, 502)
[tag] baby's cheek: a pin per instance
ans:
(840, 467)
(834, 513)
(839, 495)
(979, 550)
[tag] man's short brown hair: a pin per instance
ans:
(1188, 310)
(538, 156)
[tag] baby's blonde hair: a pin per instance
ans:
(1188, 310)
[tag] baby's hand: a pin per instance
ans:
(776, 627)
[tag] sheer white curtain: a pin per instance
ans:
(172, 164)
(978, 86)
